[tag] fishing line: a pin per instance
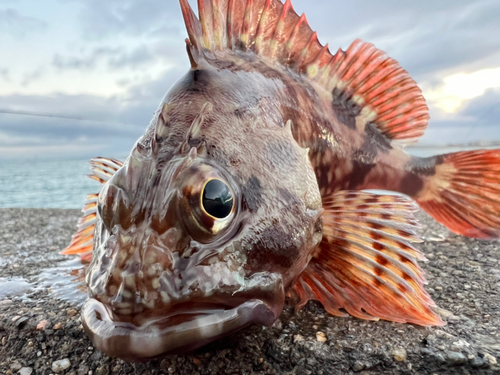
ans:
(39, 114)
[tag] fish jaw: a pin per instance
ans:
(185, 325)
(176, 304)
(163, 335)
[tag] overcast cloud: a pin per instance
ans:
(109, 63)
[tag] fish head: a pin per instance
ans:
(201, 232)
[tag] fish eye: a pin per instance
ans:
(217, 199)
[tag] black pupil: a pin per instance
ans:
(217, 199)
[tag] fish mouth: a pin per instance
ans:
(143, 337)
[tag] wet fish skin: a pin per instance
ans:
(293, 133)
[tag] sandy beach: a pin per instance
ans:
(40, 333)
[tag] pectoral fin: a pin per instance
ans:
(82, 242)
(367, 263)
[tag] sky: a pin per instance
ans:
(101, 67)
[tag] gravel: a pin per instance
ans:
(41, 332)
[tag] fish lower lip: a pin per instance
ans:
(155, 336)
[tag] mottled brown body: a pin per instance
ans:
(244, 189)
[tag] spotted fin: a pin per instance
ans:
(464, 193)
(82, 241)
(367, 262)
(364, 83)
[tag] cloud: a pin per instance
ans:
(17, 25)
(83, 63)
(113, 57)
(457, 88)
(33, 76)
(477, 121)
(485, 109)
(106, 19)
(108, 126)
(4, 74)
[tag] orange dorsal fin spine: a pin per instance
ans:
(362, 77)
(82, 242)
(367, 261)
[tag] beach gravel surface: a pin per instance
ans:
(41, 331)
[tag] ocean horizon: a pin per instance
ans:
(39, 183)
(63, 183)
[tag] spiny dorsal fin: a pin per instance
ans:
(82, 242)
(363, 78)
(367, 263)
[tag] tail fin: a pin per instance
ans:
(464, 193)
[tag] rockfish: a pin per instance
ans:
(247, 188)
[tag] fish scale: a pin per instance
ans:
(293, 134)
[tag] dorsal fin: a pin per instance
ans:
(363, 78)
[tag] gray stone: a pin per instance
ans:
(358, 366)
(455, 358)
(61, 365)
(25, 371)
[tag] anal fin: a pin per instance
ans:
(367, 263)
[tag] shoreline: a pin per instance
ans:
(463, 276)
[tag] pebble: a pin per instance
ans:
(103, 370)
(477, 362)
(61, 365)
(4, 341)
(491, 359)
(20, 323)
(15, 366)
(399, 354)
(297, 338)
(455, 358)
(71, 312)
(41, 326)
(320, 336)
(83, 369)
(58, 326)
(196, 361)
(165, 364)
(358, 366)
(25, 371)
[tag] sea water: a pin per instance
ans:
(45, 183)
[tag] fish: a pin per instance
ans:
(252, 187)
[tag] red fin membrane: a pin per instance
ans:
(464, 193)
(363, 78)
(367, 262)
(82, 241)
(376, 87)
